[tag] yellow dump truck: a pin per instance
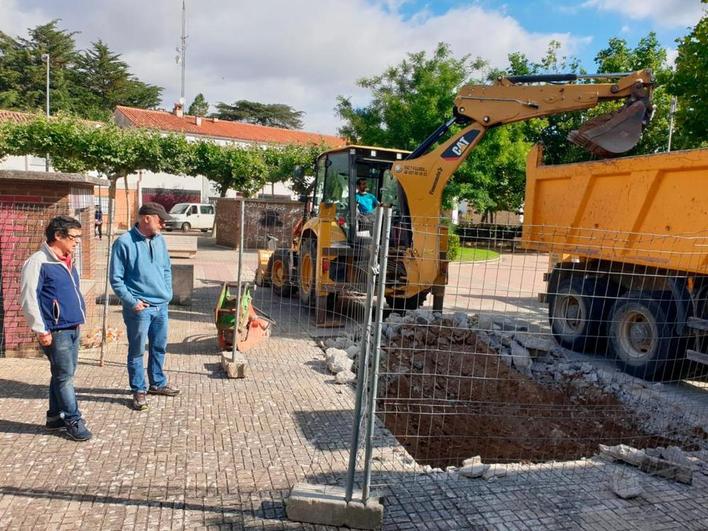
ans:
(628, 238)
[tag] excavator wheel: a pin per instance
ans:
(279, 273)
(308, 265)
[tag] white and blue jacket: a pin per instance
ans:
(50, 295)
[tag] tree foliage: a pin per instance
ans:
(252, 112)
(410, 100)
(87, 83)
(78, 146)
(199, 107)
(689, 85)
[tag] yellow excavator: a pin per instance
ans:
(328, 247)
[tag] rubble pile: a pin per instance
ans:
(454, 386)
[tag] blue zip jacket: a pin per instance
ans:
(141, 269)
(50, 295)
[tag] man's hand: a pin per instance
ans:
(140, 307)
(44, 339)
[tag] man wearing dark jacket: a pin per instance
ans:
(54, 309)
(141, 276)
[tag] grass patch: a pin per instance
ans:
(472, 254)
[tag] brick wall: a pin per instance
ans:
(25, 209)
(263, 217)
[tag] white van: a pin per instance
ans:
(187, 216)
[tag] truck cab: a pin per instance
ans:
(188, 216)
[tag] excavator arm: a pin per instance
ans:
(425, 173)
(512, 99)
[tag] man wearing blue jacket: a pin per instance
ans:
(54, 309)
(141, 276)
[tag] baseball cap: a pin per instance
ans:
(154, 209)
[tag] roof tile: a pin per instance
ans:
(215, 128)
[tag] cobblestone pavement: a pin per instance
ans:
(224, 453)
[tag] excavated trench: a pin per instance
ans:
(448, 398)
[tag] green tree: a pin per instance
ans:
(89, 84)
(409, 100)
(270, 114)
(102, 81)
(199, 107)
(619, 57)
(689, 85)
(230, 167)
(24, 86)
(293, 163)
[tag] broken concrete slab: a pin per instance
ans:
(234, 364)
(625, 485)
(650, 465)
(325, 504)
(537, 342)
(345, 377)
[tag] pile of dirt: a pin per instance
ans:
(446, 405)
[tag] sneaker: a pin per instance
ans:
(55, 423)
(77, 430)
(165, 390)
(139, 401)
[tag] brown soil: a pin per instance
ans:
(447, 405)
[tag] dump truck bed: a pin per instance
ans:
(650, 210)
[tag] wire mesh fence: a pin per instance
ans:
(513, 355)
(541, 351)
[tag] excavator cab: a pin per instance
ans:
(337, 174)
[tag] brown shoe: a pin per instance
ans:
(140, 401)
(165, 390)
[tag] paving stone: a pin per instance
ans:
(225, 452)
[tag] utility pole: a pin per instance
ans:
(183, 48)
(45, 58)
(672, 111)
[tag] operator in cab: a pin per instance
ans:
(366, 202)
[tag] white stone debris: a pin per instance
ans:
(345, 377)
(337, 360)
(625, 484)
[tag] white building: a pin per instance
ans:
(188, 188)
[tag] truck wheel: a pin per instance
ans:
(185, 227)
(308, 265)
(643, 336)
(576, 311)
(410, 303)
(278, 271)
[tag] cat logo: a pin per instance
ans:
(460, 146)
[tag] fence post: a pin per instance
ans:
(375, 354)
(372, 273)
(238, 276)
(109, 237)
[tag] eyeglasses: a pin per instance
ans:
(74, 237)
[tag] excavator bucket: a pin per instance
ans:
(612, 134)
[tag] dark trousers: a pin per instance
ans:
(63, 356)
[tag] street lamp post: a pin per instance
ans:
(45, 58)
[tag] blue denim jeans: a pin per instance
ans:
(63, 356)
(149, 325)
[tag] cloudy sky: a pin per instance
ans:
(305, 53)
